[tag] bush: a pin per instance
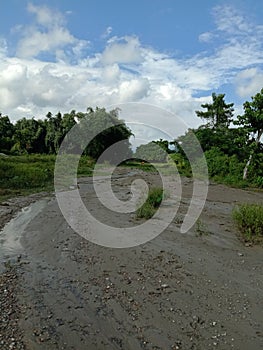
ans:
(249, 220)
(182, 164)
(151, 204)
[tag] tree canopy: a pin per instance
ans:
(218, 113)
(45, 136)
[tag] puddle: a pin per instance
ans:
(10, 235)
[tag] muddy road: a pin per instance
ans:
(199, 290)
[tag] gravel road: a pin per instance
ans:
(199, 290)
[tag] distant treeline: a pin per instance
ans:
(232, 146)
(30, 136)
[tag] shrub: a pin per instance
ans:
(249, 220)
(151, 204)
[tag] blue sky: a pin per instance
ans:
(63, 55)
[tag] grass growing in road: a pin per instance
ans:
(152, 203)
(249, 220)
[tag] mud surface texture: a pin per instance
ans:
(199, 290)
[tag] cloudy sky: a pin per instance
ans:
(59, 55)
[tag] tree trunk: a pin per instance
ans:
(260, 132)
(246, 167)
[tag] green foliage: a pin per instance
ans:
(182, 164)
(151, 204)
(86, 165)
(223, 168)
(146, 211)
(114, 130)
(29, 136)
(32, 173)
(201, 229)
(6, 133)
(218, 114)
(26, 172)
(252, 122)
(249, 220)
(151, 152)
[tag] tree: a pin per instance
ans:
(219, 113)
(151, 152)
(114, 130)
(6, 134)
(252, 122)
(29, 136)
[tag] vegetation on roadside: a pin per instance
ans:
(232, 147)
(28, 148)
(25, 174)
(152, 203)
(249, 220)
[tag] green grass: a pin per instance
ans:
(25, 174)
(152, 203)
(249, 220)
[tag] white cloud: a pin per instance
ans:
(229, 20)
(126, 70)
(36, 42)
(107, 32)
(3, 47)
(48, 34)
(249, 82)
(45, 16)
(133, 90)
(122, 50)
(206, 37)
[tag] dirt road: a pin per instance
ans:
(199, 290)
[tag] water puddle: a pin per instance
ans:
(10, 235)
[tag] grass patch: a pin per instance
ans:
(26, 174)
(201, 229)
(152, 203)
(249, 220)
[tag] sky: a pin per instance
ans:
(167, 55)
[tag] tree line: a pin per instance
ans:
(33, 136)
(232, 146)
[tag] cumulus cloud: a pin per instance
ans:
(47, 34)
(133, 90)
(122, 50)
(126, 70)
(249, 82)
(36, 42)
(45, 16)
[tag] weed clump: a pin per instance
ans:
(249, 220)
(152, 203)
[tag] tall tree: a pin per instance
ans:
(252, 122)
(114, 130)
(6, 133)
(29, 136)
(218, 113)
